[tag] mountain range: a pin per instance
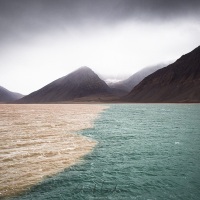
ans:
(128, 84)
(8, 96)
(177, 82)
(80, 83)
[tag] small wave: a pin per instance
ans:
(177, 142)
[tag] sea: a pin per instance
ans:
(144, 152)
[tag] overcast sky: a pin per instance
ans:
(42, 40)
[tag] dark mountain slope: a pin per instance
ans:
(80, 83)
(128, 84)
(8, 96)
(178, 82)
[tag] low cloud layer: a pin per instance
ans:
(22, 19)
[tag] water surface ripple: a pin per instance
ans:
(144, 151)
(37, 141)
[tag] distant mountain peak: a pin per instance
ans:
(8, 96)
(84, 68)
(80, 83)
(83, 71)
(178, 82)
(128, 84)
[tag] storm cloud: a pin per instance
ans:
(22, 19)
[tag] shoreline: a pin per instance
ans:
(100, 102)
(38, 141)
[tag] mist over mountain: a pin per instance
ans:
(178, 82)
(128, 84)
(8, 96)
(80, 83)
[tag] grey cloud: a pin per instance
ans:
(21, 19)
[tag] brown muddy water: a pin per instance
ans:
(37, 141)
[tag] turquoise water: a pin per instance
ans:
(145, 151)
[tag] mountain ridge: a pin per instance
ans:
(79, 83)
(178, 82)
(8, 96)
(128, 84)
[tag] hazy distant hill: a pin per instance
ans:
(8, 96)
(80, 83)
(178, 82)
(128, 84)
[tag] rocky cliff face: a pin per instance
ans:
(80, 83)
(178, 82)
